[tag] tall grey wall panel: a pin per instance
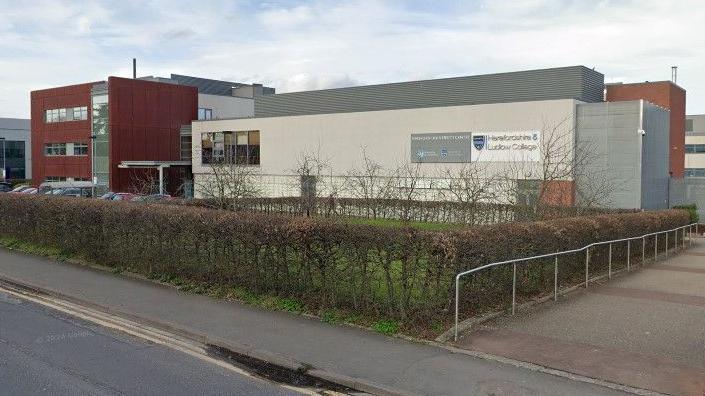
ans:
(609, 131)
(655, 152)
(575, 82)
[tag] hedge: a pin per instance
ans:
(399, 273)
(396, 209)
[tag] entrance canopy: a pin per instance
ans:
(160, 165)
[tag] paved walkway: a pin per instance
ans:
(645, 329)
(393, 363)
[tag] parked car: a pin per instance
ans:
(107, 196)
(29, 191)
(123, 197)
(19, 189)
(80, 192)
(5, 187)
(68, 189)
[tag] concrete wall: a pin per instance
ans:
(18, 129)
(609, 133)
(385, 135)
(227, 106)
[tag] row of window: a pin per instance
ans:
(695, 172)
(67, 114)
(241, 148)
(694, 148)
(64, 178)
(59, 149)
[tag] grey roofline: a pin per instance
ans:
(372, 111)
(438, 79)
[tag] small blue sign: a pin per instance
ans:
(478, 141)
(444, 152)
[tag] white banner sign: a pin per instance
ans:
(524, 146)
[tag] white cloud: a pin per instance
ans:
(322, 44)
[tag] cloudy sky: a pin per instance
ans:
(299, 45)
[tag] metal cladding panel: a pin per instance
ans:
(609, 132)
(655, 157)
(59, 132)
(575, 82)
(145, 121)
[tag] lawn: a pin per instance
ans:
(393, 223)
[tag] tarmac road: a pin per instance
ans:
(46, 352)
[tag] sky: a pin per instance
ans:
(303, 45)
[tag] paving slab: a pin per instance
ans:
(645, 329)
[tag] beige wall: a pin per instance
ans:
(385, 135)
(695, 160)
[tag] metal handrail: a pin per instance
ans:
(587, 262)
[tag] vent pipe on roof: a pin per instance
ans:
(674, 74)
(134, 67)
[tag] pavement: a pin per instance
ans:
(381, 364)
(645, 329)
(44, 352)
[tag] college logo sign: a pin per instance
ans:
(478, 141)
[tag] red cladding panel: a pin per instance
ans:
(59, 132)
(145, 122)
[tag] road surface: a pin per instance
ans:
(46, 352)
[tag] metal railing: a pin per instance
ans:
(629, 240)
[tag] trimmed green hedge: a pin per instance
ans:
(400, 273)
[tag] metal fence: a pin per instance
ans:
(586, 249)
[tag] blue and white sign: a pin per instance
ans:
(506, 146)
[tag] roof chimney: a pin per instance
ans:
(134, 67)
(674, 74)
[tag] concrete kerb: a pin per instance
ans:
(194, 336)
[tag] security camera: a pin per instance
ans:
(642, 132)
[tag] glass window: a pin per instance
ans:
(48, 117)
(185, 147)
(689, 125)
(62, 114)
(253, 148)
(205, 114)
(14, 159)
(241, 148)
(695, 172)
(695, 148)
(55, 179)
(55, 149)
(80, 149)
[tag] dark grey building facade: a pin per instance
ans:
(15, 149)
(573, 82)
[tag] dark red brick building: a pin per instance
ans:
(665, 94)
(86, 132)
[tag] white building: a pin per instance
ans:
(500, 124)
